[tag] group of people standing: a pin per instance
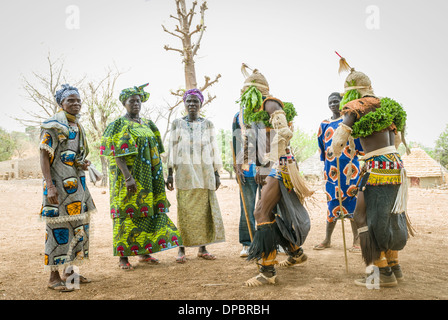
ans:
(266, 170)
(138, 201)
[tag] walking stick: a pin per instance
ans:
(242, 194)
(341, 213)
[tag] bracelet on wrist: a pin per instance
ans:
(128, 178)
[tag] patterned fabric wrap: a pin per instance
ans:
(67, 90)
(348, 208)
(59, 124)
(68, 223)
(129, 92)
(145, 210)
(195, 92)
(141, 145)
(280, 172)
(324, 139)
(199, 217)
(66, 243)
(139, 236)
(384, 169)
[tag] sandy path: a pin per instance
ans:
(424, 259)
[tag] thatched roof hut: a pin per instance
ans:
(422, 170)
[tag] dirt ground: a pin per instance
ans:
(424, 259)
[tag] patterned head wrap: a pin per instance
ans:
(126, 93)
(66, 91)
(195, 92)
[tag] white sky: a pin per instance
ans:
(292, 42)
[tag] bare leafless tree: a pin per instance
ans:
(100, 106)
(184, 32)
(40, 90)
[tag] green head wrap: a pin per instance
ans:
(126, 93)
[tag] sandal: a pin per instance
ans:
(60, 286)
(321, 246)
(181, 259)
(260, 280)
(355, 249)
(291, 261)
(150, 260)
(125, 266)
(82, 279)
(206, 256)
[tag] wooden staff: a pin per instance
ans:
(242, 194)
(341, 213)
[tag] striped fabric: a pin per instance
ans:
(384, 169)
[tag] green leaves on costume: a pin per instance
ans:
(389, 112)
(251, 102)
(290, 111)
(349, 96)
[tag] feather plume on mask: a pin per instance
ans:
(343, 65)
(244, 71)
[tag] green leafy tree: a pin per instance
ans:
(303, 144)
(101, 106)
(23, 144)
(224, 139)
(441, 148)
(6, 145)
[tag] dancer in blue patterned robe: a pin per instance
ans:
(349, 166)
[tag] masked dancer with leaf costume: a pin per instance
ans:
(380, 212)
(281, 218)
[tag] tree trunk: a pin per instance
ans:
(104, 169)
(190, 72)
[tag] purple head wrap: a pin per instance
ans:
(195, 92)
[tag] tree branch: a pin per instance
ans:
(209, 83)
(191, 14)
(167, 48)
(198, 43)
(171, 33)
(171, 16)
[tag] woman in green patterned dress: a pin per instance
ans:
(138, 203)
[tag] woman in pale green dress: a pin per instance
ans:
(196, 160)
